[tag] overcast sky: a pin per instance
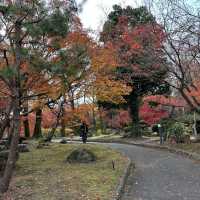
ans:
(94, 11)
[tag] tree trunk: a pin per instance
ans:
(38, 124)
(193, 98)
(101, 122)
(189, 102)
(62, 115)
(26, 127)
(6, 122)
(52, 132)
(62, 131)
(134, 103)
(3, 126)
(94, 119)
(12, 157)
(26, 121)
(16, 91)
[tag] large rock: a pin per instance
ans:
(81, 155)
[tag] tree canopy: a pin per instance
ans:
(138, 40)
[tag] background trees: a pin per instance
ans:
(48, 61)
(50, 66)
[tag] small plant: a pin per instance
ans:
(177, 130)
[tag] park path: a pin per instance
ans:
(160, 175)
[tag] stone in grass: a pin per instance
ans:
(81, 155)
(63, 141)
(22, 148)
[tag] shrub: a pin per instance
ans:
(155, 128)
(177, 130)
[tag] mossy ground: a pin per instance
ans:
(42, 174)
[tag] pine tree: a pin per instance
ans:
(28, 30)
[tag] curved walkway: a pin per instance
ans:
(160, 175)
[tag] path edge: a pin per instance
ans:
(121, 185)
(190, 155)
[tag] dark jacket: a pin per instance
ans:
(83, 130)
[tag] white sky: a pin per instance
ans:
(94, 11)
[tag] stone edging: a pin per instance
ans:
(122, 182)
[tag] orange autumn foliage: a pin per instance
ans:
(98, 78)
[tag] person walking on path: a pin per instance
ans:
(84, 131)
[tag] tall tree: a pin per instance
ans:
(28, 30)
(138, 39)
(180, 21)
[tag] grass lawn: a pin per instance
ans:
(42, 174)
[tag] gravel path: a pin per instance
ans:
(160, 175)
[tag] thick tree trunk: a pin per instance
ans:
(38, 124)
(15, 126)
(12, 157)
(72, 104)
(134, 104)
(26, 127)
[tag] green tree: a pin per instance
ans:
(28, 30)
